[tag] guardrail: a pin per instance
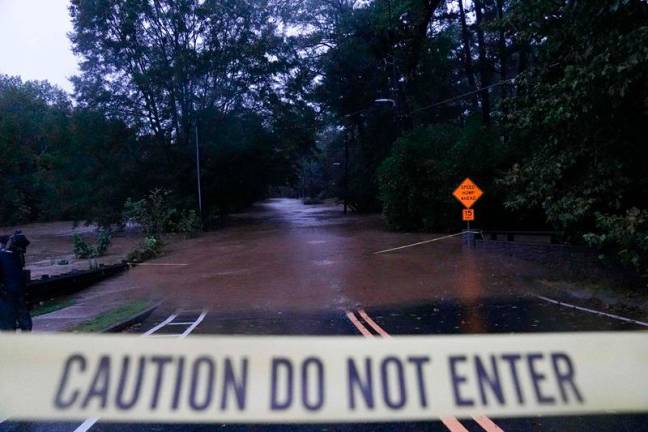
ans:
(551, 237)
(48, 287)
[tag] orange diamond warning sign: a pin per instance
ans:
(468, 193)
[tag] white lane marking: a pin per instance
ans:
(584, 309)
(362, 329)
(183, 323)
(194, 325)
(373, 324)
(86, 425)
(487, 424)
(424, 242)
(162, 324)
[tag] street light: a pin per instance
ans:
(389, 101)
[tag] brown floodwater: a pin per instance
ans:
(283, 255)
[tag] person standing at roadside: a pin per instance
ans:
(8, 310)
(13, 307)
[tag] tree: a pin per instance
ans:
(579, 120)
(33, 125)
(177, 71)
(101, 168)
(158, 63)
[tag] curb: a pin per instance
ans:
(137, 318)
(49, 287)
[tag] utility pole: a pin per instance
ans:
(346, 172)
(200, 204)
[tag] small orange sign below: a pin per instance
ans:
(468, 193)
(468, 215)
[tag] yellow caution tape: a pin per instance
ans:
(320, 379)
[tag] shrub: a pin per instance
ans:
(417, 179)
(624, 237)
(156, 216)
(83, 250)
(104, 238)
(414, 179)
(188, 223)
(152, 212)
(150, 248)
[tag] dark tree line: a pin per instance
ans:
(156, 78)
(544, 103)
(384, 103)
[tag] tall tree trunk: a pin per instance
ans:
(420, 34)
(503, 55)
(468, 66)
(523, 54)
(416, 48)
(484, 73)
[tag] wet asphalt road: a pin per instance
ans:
(474, 302)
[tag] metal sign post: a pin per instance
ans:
(467, 194)
(468, 215)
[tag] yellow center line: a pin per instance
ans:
(452, 423)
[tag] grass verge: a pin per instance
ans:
(105, 320)
(52, 306)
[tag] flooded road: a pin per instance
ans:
(289, 269)
(284, 255)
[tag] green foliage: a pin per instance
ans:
(99, 169)
(112, 317)
(223, 51)
(153, 213)
(156, 216)
(233, 76)
(104, 238)
(52, 305)
(415, 179)
(566, 139)
(58, 162)
(83, 250)
(579, 123)
(151, 247)
(623, 237)
(242, 157)
(33, 124)
(224, 68)
(187, 223)
(363, 66)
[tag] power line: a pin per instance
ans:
(461, 96)
(445, 101)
